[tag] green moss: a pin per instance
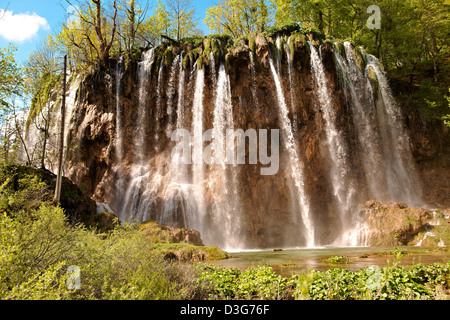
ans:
(227, 63)
(373, 79)
(195, 41)
(272, 49)
(168, 57)
(215, 253)
(338, 260)
(442, 231)
(341, 48)
(252, 44)
(186, 60)
(361, 59)
(200, 63)
(280, 47)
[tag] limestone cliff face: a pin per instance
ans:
(120, 149)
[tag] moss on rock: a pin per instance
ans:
(394, 225)
(180, 243)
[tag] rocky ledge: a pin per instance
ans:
(180, 243)
(400, 225)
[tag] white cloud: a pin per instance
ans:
(21, 27)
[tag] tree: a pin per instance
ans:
(130, 26)
(182, 13)
(435, 22)
(89, 38)
(238, 17)
(10, 76)
(11, 83)
(41, 80)
(57, 195)
(157, 24)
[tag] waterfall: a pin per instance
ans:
(223, 181)
(180, 206)
(136, 202)
(181, 171)
(342, 183)
(143, 79)
(206, 196)
(362, 108)
(291, 84)
(277, 53)
(212, 62)
(119, 124)
(159, 102)
(119, 115)
(171, 94)
(402, 176)
(198, 167)
(297, 173)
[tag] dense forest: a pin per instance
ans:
(40, 241)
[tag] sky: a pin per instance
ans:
(27, 22)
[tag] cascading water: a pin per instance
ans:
(207, 197)
(119, 113)
(291, 84)
(402, 176)
(341, 180)
(119, 123)
(362, 107)
(171, 94)
(136, 202)
(297, 173)
(212, 62)
(180, 206)
(198, 166)
(159, 101)
(223, 179)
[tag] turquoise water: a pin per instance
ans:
(288, 262)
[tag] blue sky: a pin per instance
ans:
(34, 19)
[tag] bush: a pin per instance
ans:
(37, 248)
(285, 29)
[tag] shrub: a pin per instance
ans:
(285, 29)
(36, 249)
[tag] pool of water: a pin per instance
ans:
(288, 262)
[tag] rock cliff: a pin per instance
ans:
(120, 148)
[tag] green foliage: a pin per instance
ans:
(21, 190)
(37, 248)
(254, 283)
(391, 283)
(50, 85)
(338, 260)
(439, 109)
(239, 17)
(10, 76)
(284, 29)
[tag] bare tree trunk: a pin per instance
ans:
(57, 196)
